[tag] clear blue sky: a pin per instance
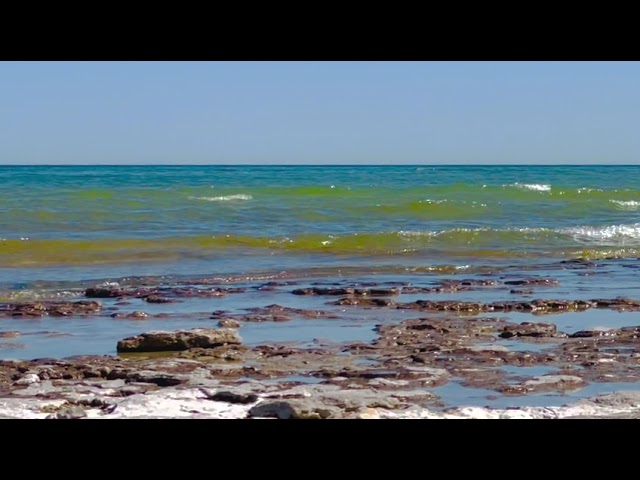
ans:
(319, 112)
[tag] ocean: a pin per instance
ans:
(66, 228)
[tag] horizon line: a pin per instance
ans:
(318, 164)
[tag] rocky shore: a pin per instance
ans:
(178, 387)
(210, 372)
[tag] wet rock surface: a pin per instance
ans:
(198, 390)
(53, 308)
(180, 340)
(504, 346)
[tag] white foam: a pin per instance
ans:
(627, 205)
(538, 187)
(413, 233)
(224, 198)
(589, 190)
(410, 233)
(611, 233)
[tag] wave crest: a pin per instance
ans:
(608, 233)
(537, 187)
(626, 204)
(224, 198)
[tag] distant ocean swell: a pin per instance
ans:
(466, 191)
(88, 209)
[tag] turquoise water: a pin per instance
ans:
(203, 216)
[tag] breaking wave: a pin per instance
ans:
(224, 198)
(626, 204)
(478, 242)
(532, 186)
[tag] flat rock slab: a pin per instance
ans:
(160, 341)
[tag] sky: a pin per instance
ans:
(316, 112)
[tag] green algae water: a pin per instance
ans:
(267, 230)
(237, 218)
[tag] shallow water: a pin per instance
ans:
(64, 229)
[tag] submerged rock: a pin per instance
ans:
(160, 341)
(543, 383)
(157, 299)
(533, 281)
(9, 334)
(379, 292)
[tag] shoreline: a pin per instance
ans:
(514, 354)
(164, 393)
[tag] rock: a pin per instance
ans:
(9, 334)
(555, 381)
(160, 341)
(157, 299)
(528, 329)
(228, 323)
(374, 302)
(102, 292)
(533, 281)
(28, 379)
(624, 399)
(50, 308)
(542, 383)
(617, 303)
(367, 414)
(452, 305)
(487, 348)
(68, 413)
(297, 409)
(230, 397)
(323, 291)
(227, 353)
(383, 382)
(73, 308)
(624, 333)
(159, 379)
(286, 313)
(561, 305)
(629, 332)
(380, 292)
(593, 333)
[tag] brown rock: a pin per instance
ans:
(101, 292)
(180, 340)
(528, 329)
(9, 334)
